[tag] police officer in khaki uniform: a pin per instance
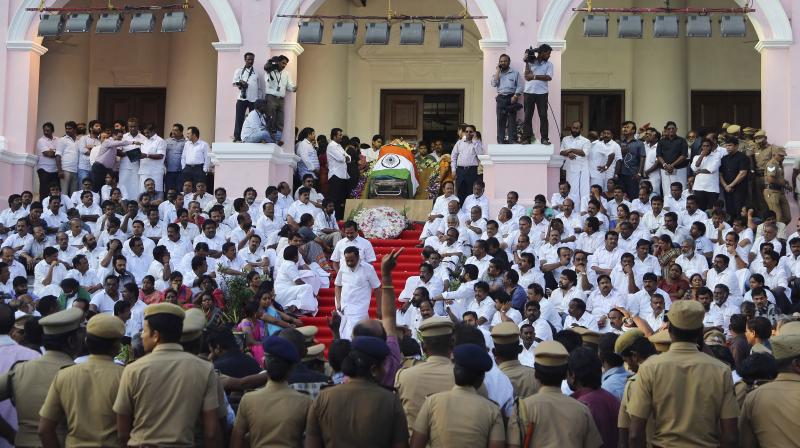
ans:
(257, 418)
(434, 375)
(634, 348)
(461, 417)
(769, 414)
(83, 395)
(550, 419)
(760, 155)
(692, 392)
(774, 186)
(661, 341)
(194, 323)
(162, 395)
(507, 348)
(359, 412)
(27, 383)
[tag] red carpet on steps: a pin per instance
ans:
(407, 266)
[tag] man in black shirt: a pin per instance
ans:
(672, 152)
(228, 358)
(733, 177)
(633, 154)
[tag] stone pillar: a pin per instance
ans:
(20, 105)
(661, 88)
(522, 168)
(291, 50)
(229, 59)
(242, 165)
(491, 55)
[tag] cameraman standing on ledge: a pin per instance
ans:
(509, 88)
(248, 82)
(538, 72)
(278, 83)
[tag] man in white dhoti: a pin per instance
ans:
(355, 284)
(291, 291)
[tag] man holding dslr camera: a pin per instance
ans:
(538, 73)
(250, 89)
(278, 83)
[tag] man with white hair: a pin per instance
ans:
(690, 261)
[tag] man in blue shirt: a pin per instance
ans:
(509, 88)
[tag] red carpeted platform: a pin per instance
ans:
(407, 265)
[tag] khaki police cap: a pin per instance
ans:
(550, 353)
(505, 333)
(105, 326)
(687, 314)
(760, 133)
(164, 308)
(733, 129)
(661, 340)
(779, 151)
(725, 125)
(308, 332)
(436, 326)
(789, 328)
(314, 351)
(627, 339)
(588, 336)
(193, 324)
(749, 130)
(785, 346)
(714, 337)
(62, 321)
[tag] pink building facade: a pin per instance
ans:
(510, 27)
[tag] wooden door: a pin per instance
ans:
(146, 104)
(574, 108)
(712, 108)
(402, 117)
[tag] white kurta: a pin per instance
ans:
(287, 293)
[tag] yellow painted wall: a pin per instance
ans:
(339, 85)
(658, 75)
(77, 65)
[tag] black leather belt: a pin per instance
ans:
(776, 187)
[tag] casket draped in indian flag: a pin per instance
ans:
(396, 162)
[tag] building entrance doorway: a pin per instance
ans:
(597, 110)
(146, 104)
(422, 115)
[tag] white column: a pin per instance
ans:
(291, 50)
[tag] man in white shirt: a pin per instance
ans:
(671, 228)
(48, 165)
(574, 148)
(256, 126)
(690, 261)
(67, 153)
(477, 198)
(83, 273)
(356, 283)
(337, 171)
(603, 155)
(351, 238)
(176, 246)
(722, 308)
(151, 165)
(103, 301)
(48, 273)
(538, 73)
(639, 304)
(654, 218)
(129, 169)
(578, 316)
(307, 151)
(464, 164)
(65, 252)
(86, 143)
(603, 260)
(675, 201)
(195, 160)
(250, 87)
(300, 207)
(138, 261)
(279, 81)
(602, 300)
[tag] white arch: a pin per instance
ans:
(219, 11)
(279, 34)
(770, 22)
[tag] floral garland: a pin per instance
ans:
(358, 190)
(380, 222)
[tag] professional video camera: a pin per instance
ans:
(272, 64)
(532, 53)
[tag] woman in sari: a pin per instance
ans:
(254, 330)
(148, 293)
(184, 293)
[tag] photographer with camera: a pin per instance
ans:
(538, 73)
(278, 83)
(250, 88)
(509, 88)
